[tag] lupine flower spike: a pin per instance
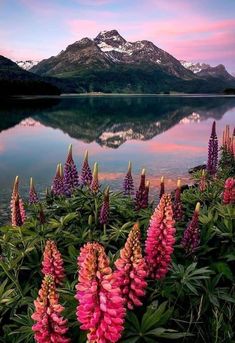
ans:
(86, 174)
(50, 326)
(229, 191)
(140, 193)
(132, 270)
(41, 216)
(100, 309)
(53, 263)
(33, 197)
(202, 182)
(58, 187)
(95, 180)
(191, 236)
(162, 187)
(16, 218)
(17, 203)
(160, 239)
(146, 195)
(178, 206)
(104, 212)
(212, 152)
(71, 181)
(128, 184)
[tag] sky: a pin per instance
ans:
(193, 30)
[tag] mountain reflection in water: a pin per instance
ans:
(165, 134)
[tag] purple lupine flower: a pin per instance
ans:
(191, 236)
(33, 197)
(16, 212)
(95, 179)
(104, 212)
(17, 205)
(212, 152)
(162, 187)
(140, 193)
(128, 184)
(177, 205)
(58, 187)
(71, 181)
(145, 201)
(86, 174)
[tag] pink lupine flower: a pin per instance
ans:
(162, 187)
(128, 184)
(33, 197)
(229, 191)
(50, 326)
(18, 214)
(95, 180)
(132, 270)
(178, 206)
(86, 174)
(140, 197)
(202, 182)
(191, 236)
(53, 262)
(228, 142)
(160, 238)
(100, 309)
(104, 212)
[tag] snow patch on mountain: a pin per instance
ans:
(195, 67)
(27, 65)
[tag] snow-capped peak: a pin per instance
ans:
(27, 65)
(195, 67)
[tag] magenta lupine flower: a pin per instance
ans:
(104, 212)
(212, 152)
(162, 187)
(160, 239)
(140, 197)
(229, 191)
(95, 179)
(53, 263)
(50, 326)
(178, 206)
(191, 236)
(33, 197)
(71, 181)
(58, 187)
(86, 174)
(132, 270)
(100, 309)
(128, 184)
(18, 214)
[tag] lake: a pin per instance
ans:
(167, 135)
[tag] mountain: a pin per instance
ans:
(15, 81)
(204, 70)
(26, 65)
(109, 63)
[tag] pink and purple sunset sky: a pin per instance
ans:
(194, 30)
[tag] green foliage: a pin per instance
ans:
(196, 297)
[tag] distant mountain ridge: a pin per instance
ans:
(16, 81)
(27, 64)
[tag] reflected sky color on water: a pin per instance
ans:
(165, 135)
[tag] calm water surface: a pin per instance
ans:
(166, 135)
